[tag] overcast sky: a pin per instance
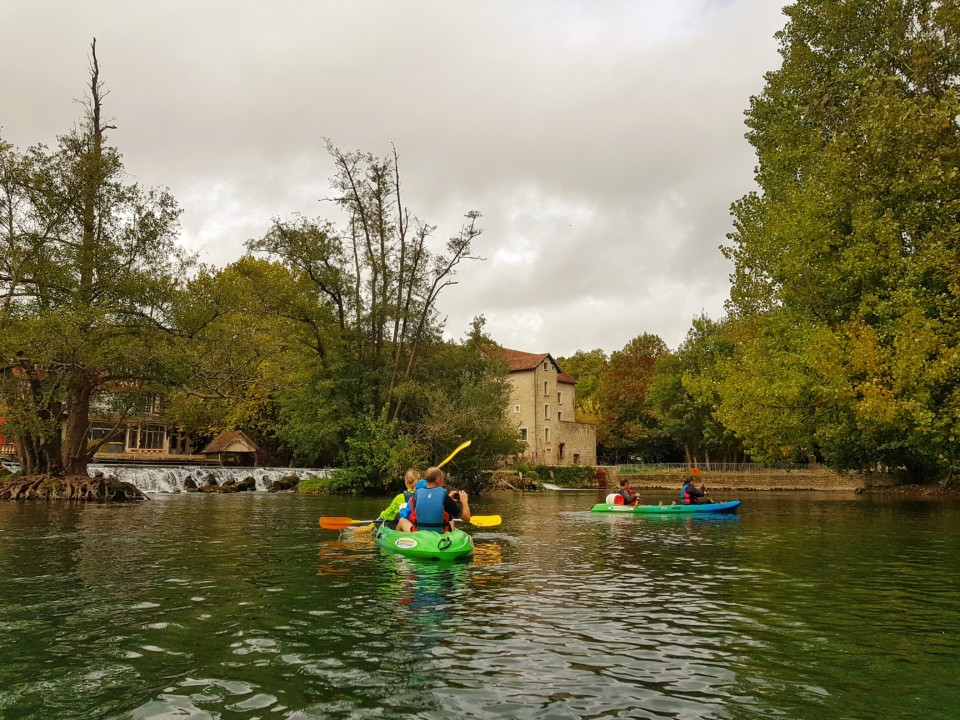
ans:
(602, 140)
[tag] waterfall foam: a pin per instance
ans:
(172, 478)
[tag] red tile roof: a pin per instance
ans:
(520, 361)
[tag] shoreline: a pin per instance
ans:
(782, 480)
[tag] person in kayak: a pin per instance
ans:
(628, 495)
(404, 513)
(433, 507)
(390, 515)
(690, 493)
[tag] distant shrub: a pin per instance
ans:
(572, 476)
(336, 484)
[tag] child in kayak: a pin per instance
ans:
(628, 495)
(390, 515)
(689, 492)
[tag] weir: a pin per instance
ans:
(173, 478)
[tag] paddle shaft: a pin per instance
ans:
(453, 454)
(342, 523)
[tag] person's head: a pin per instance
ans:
(624, 482)
(433, 476)
(411, 477)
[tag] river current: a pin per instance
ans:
(801, 606)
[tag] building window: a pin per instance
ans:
(546, 434)
(546, 388)
(147, 437)
(545, 366)
(546, 412)
(559, 416)
(523, 434)
(559, 399)
(560, 452)
(516, 408)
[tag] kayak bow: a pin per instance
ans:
(425, 544)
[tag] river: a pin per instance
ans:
(801, 606)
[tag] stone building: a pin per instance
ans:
(542, 409)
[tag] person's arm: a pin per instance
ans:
(459, 511)
(391, 512)
(465, 504)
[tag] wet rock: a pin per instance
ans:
(286, 483)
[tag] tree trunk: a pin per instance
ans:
(74, 451)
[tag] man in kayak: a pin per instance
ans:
(690, 492)
(432, 507)
(628, 495)
(389, 516)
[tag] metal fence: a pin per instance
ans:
(708, 467)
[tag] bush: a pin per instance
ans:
(571, 476)
(333, 485)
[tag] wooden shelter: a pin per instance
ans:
(233, 448)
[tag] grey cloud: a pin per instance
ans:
(602, 142)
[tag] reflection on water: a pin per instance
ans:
(238, 606)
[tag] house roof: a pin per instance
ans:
(230, 441)
(520, 361)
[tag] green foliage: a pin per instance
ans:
(683, 394)
(588, 369)
(569, 476)
(627, 426)
(847, 276)
(336, 484)
(89, 266)
(378, 454)
(461, 393)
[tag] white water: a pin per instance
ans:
(171, 479)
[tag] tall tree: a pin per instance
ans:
(627, 426)
(587, 368)
(90, 270)
(376, 274)
(847, 276)
(683, 395)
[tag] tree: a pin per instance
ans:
(627, 427)
(588, 369)
(89, 273)
(376, 275)
(683, 396)
(847, 263)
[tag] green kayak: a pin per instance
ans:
(720, 507)
(425, 543)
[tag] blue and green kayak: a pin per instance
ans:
(678, 509)
(425, 544)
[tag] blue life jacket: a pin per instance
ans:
(428, 509)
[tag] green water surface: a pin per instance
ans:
(801, 606)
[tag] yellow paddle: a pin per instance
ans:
(451, 455)
(342, 523)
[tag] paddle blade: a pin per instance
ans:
(451, 455)
(485, 520)
(337, 523)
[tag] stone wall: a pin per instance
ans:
(769, 480)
